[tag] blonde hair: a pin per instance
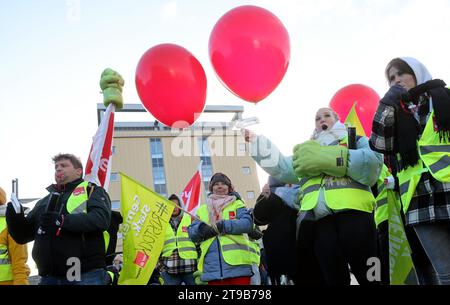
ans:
(316, 133)
(336, 116)
(2, 196)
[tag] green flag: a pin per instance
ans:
(401, 268)
(146, 215)
(352, 120)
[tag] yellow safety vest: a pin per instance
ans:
(381, 209)
(77, 203)
(236, 249)
(383, 200)
(256, 252)
(180, 241)
(339, 193)
(5, 263)
(434, 158)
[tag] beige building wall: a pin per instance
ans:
(181, 152)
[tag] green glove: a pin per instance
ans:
(111, 84)
(311, 159)
(198, 281)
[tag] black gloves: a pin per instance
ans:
(51, 219)
(394, 95)
(113, 275)
(11, 213)
(206, 231)
(255, 234)
(220, 226)
(18, 226)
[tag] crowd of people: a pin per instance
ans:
(324, 209)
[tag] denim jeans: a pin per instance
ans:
(178, 279)
(435, 239)
(93, 277)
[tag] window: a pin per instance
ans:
(157, 162)
(246, 170)
(159, 176)
(114, 177)
(156, 148)
(250, 195)
(205, 156)
(161, 189)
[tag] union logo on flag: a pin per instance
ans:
(141, 259)
(190, 196)
(78, 191)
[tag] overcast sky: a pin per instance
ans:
(52, 53)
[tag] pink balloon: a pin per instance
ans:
(249, 49)
(171, 84)
(366, 104)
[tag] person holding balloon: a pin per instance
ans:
(412, 129)
(334, 192)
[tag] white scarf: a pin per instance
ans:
(216, 204)
(326, 137)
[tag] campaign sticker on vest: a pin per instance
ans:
(141, 259)
(78, 191)
(231, 215)
(184, 229)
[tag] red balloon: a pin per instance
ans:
(171, 84)
(366, 104)
(249, 49)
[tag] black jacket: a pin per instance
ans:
(81, 235)
(279, 237)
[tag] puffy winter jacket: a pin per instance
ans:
(214, 266)
(81, 235)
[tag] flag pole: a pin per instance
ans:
(194, 216)
(177, 205)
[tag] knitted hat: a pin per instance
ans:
(2, 196)
(219, 177)
(173, 196)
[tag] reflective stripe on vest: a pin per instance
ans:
(339, 193)
(381, 210)
(408, 180)
(236, 250)
(181, 241)
(255, 252)
(434, 157)
(77, 204)
(435, 152)
(5, 263)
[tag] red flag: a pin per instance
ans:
(98, 167)
(190, 196)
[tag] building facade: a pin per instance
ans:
(165, 159)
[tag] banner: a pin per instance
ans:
(353, 121)
(401, 268)
(146, 215)
(98, 167)
(190, 196)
